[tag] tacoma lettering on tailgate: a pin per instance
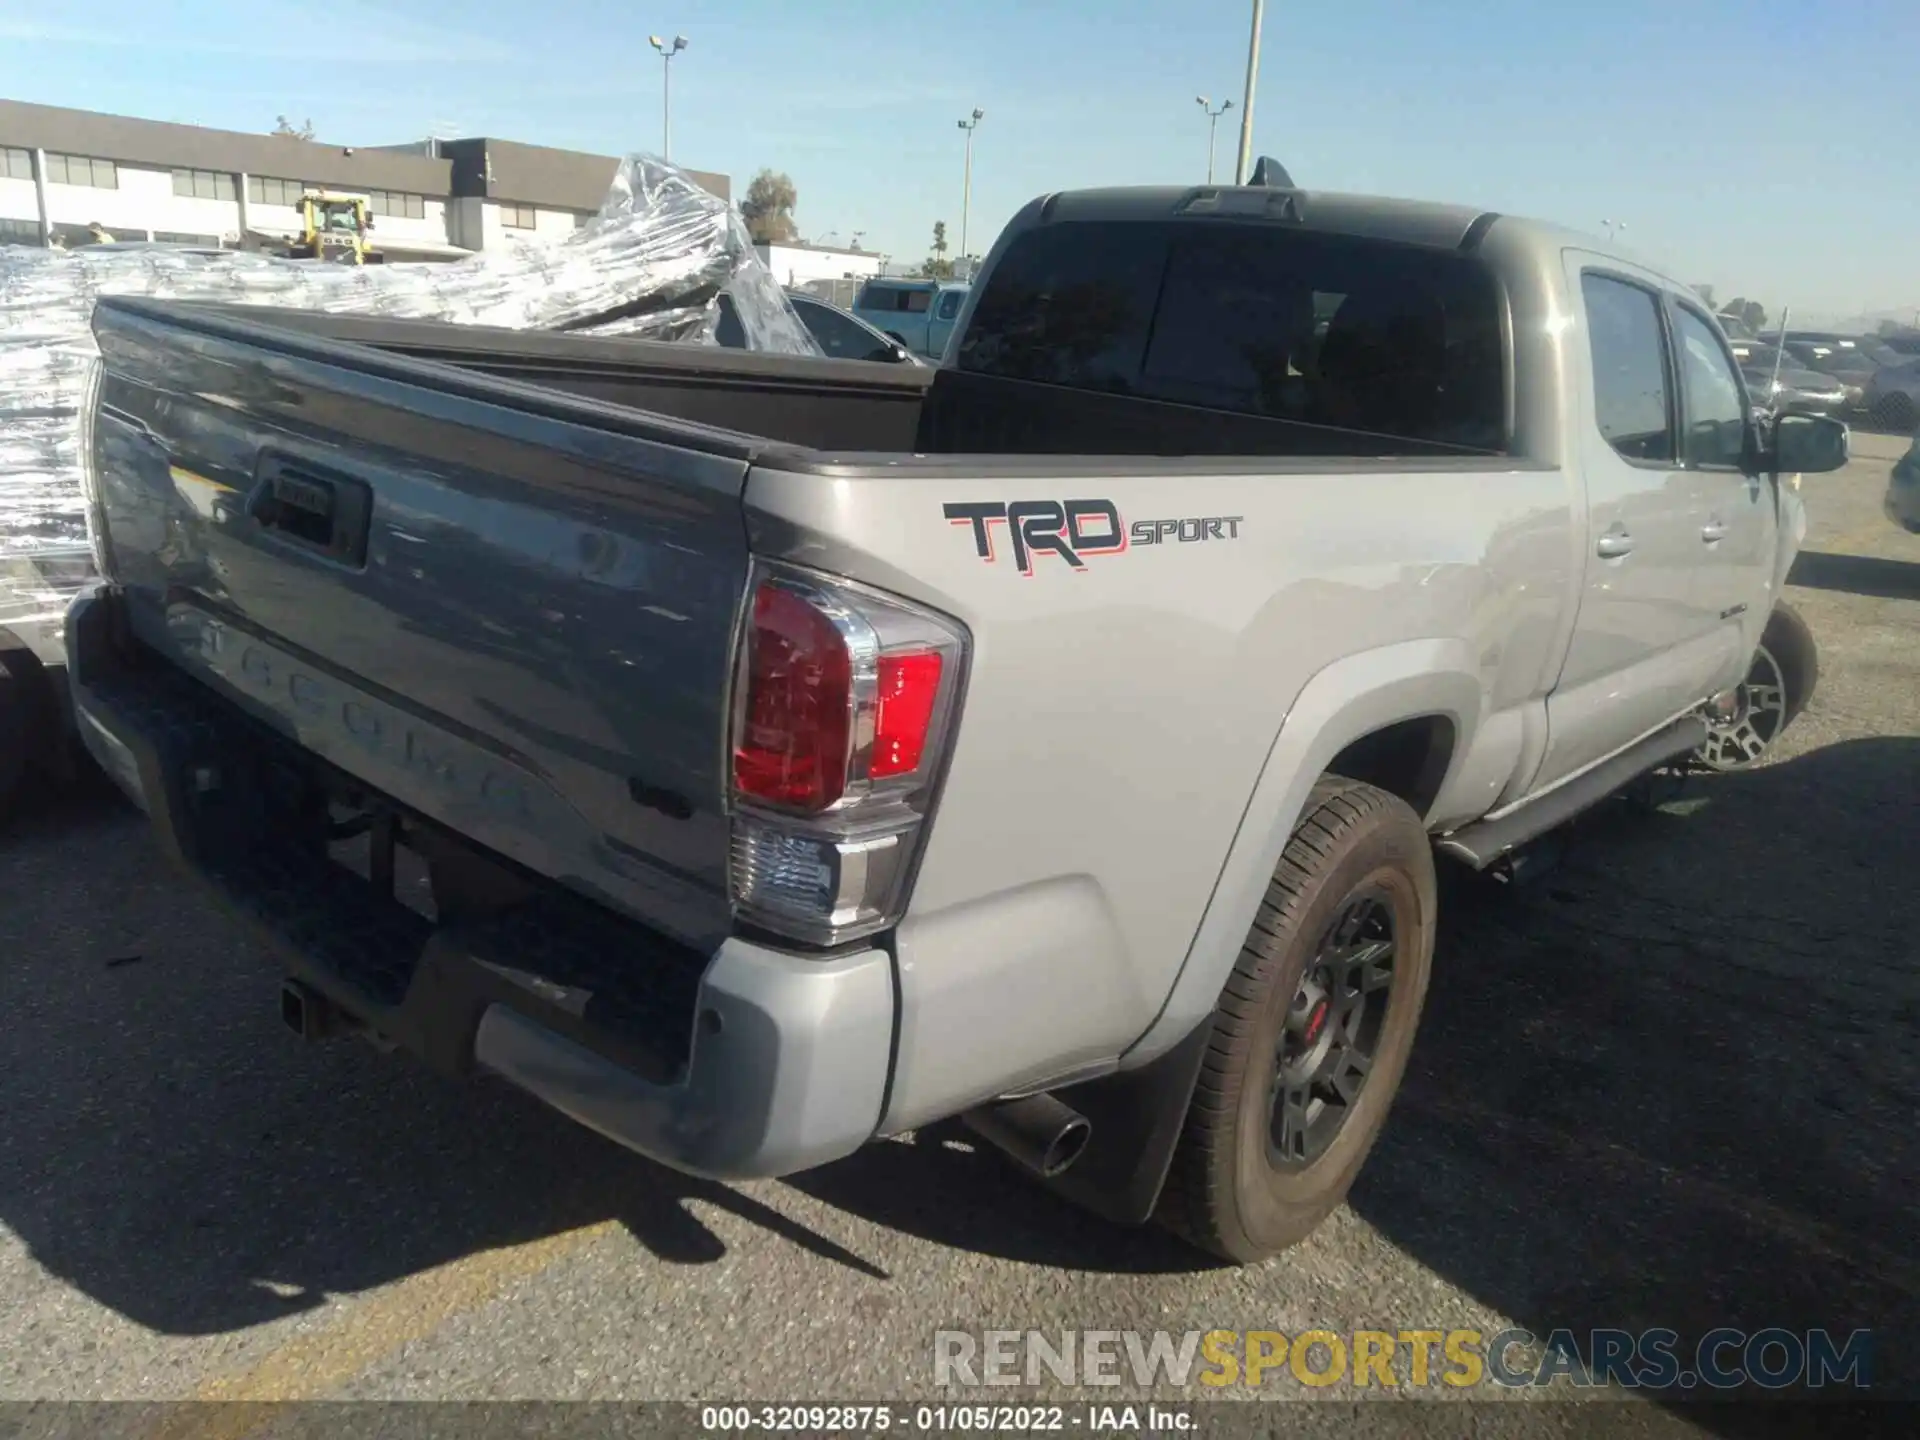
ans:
(336, 720)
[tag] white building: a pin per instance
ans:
(63, 172)
(798, 265)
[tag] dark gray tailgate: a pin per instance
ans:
(510, 609)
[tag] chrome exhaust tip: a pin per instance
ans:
(1037, 1132)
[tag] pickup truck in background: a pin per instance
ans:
(754, 756)
(919, 314)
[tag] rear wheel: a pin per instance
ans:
(16, 706)
(1313, 1030)
(1779, 683)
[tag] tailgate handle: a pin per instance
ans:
(305, 506)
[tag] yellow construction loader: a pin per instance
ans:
(333, 228)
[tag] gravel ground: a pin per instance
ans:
(1671, 1083)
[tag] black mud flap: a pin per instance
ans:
(1135, 1118)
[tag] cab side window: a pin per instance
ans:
(1630, 393)
(838, 335)
(1716, 430)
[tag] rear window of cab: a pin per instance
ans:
(894, 298)
(1305, 326)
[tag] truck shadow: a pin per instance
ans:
(170, 1151)
(1866, 575)
(1673, 1084)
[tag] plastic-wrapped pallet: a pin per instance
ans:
(651, 265)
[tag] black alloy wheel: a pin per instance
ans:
(1332, 1032)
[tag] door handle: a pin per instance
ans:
(1713, 530)
(1613, 545)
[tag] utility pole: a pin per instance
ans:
(969, 125)
(667, 52)
(1245, 163)
(1213, 125)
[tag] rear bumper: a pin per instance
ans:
(744, 1062)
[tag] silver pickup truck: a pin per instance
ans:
(753, 756)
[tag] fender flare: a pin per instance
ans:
(1350, 698)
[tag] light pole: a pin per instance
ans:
(1613, 229)
(1213, 124)
(667, 52)
(1245, 162)
(969, 125)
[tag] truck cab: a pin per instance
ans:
(920, 314)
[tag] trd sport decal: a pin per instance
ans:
(1074, 529)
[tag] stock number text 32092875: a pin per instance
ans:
(983, 1419)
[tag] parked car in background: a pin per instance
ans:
(839, 335)
(1784, 385)
(1903, 489)
(1736, 328)
(1852, 363)
(1831, 338)
(1892, 398)
(920, 314)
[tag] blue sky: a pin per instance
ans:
(1771, 147)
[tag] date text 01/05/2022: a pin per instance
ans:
(991, 1419)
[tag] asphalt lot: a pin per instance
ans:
(1674, 1083)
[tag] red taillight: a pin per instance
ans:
(909, 686)
(797, 719)
(843, 709)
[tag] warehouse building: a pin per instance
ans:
(66, 176)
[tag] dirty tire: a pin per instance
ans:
(15, 705)
(1790, 640)
(1225, 1192)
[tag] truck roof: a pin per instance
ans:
(1411, 222)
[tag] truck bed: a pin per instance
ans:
(801, 402)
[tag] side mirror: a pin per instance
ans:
(1808, 445)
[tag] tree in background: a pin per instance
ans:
(302, 131)
(1750, 313)
(938, 267)
(768, 208)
